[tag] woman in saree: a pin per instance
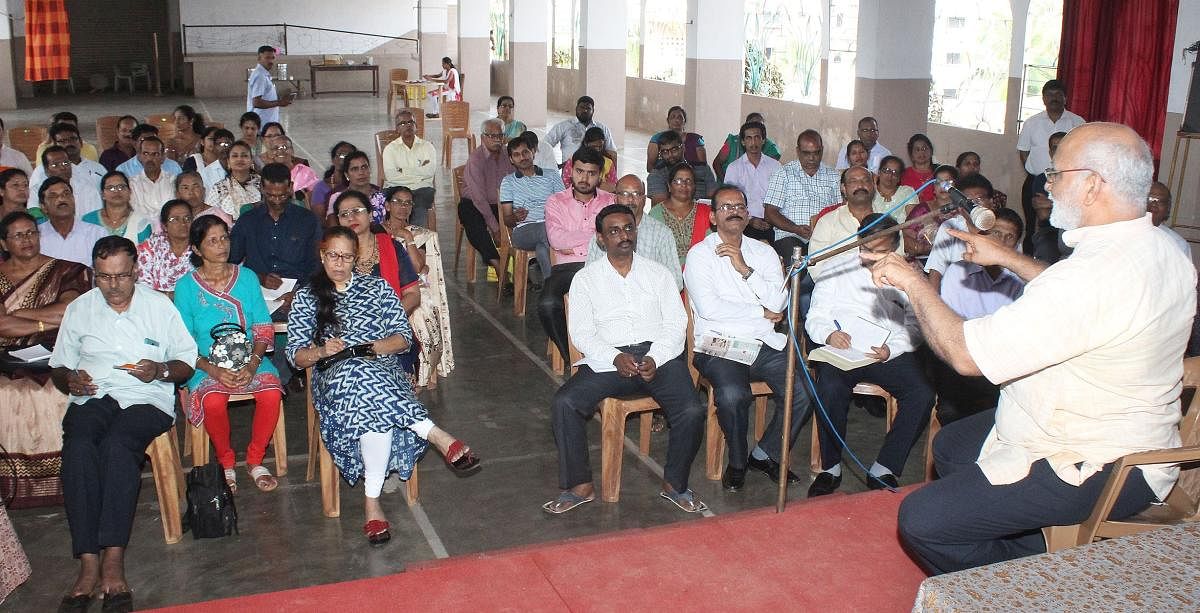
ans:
(218, 293)
(687, 219)
(349, 328)
(34, 292)
(431, 320)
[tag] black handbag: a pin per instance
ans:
(211, 512)
(232, 346)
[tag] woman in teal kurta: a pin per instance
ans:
(218, 292)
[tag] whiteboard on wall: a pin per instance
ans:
(289, 39)
(230, 39)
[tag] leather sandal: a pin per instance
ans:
(377, 532)
(263, 479)
(464, 462)
(75, 604)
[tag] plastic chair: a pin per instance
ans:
(106, 131)
(118, 78)
(1182, 503)
(139, 69)
(165, 122)
(862, 389)
(169, 483)
(458, 228)
(521, 259)
(27, 139)
(456, 124)
(396, 79)
(382, 139)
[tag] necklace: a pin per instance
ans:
(220, 280)
(367, 264)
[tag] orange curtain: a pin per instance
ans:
(47, 40)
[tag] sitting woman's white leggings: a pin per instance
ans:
(376, 448)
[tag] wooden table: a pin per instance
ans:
(416, 91)
(1152, 571)
(313, 69)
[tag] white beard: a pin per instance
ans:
(1064, 216)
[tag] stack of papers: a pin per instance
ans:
(36, 353)
(864, 334)
(272, 296)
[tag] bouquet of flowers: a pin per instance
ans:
(231, 348)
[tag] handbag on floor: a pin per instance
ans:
(211, 512)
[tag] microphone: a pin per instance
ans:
(982, 217)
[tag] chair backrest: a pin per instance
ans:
(106, 131)
(165, 124)
(1185, 497)
(418, 114)
(398, 74)
(26, 139)
(505, 231)
(459, 174)
(576, 355)
(456, 116)
(382, 139)
(690, 340)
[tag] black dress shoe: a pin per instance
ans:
(824, 484)
(770, 468)
(733, 479)
(888, 479)
(119, 602)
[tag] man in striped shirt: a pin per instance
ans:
(523, 197)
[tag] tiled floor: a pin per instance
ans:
(497, 399)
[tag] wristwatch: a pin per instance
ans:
(164, 372)
(749, 271)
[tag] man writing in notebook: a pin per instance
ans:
(844, 291)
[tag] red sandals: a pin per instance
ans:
(464, 463)
(377, 532)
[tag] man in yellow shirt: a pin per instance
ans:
(411, 161)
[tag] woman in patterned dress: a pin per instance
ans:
(350, 327)
(243, 185)
(688, 220)
(164, 257)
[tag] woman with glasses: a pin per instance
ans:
(334, 179)
(693, 144)
(219, 293)
(889, 191)
(431, 321)
(35, 290)
(213, 159)
(357, 168)
(504, 112)
(164, 257)
(117, 215)
(243, 185)
(688, 220)
(349, 327)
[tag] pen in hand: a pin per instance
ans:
(837, 325)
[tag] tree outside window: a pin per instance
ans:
(783, 49)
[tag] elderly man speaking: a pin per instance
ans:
(1089, 361)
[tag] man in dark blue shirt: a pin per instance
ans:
(278, 238)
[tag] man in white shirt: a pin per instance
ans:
(845, 291)
(154, 186)
(1158, 204)
(11, 157)
(736, 290)
(63, 235)
(752, 172)
(858, 189)
(411, 161)
(1089, 360)
(567, 134)
(84, 184)
(868, 133)
(261, 96)
(1033, 145)
(627, 320)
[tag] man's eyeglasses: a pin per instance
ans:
(671, 150)
(117, 278)
(62, 164)
(619, 230)
(634, 195)
(496, 135)
(334, 256)
(348, 213)
(730, 207)
(1053, 174)
(407, 122)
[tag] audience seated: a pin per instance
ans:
(736, 291)
(84, 184)
(693, 144)
(593, 138)
(242, 187)
(688, 220)
(523, 196)
(121, 350)
(628, 322)
(11, 158)
(512, 126)
(378, 253)
(567, 134)
(411, 161)
(431, 320)
(250, 124)
(349, 327)
(920, 166)
(844, 290)
(751, 172)
(14, 193)
(487, 165)
(670, 152)
(858, 190)
(945, 249)
(733, 148)
(165, 257)
(219, 294)
(124, 147)
(868, 137)
(918, 239)
(969, 163)
(655, 241)
(133, 166)
(357, 168)
(189, 132)
(117, 215)
(889, 192)
(334, 179)
(66, 135)
(153, 186)
(303, 177)
(797, 192)
(212, 162)
(189, 187)
(86, 149)
(63, 235)
(570, 227)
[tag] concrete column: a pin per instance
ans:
(712, 91)
(8, 85)
(602, 62)
(894, 52)
(474, 52)
(530, 24)
(432, 37)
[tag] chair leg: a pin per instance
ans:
(814, 457)
(447, 144)
(412, 489)
(458, 240)
(520, 284)
(1060, 537)
(199, 439)
(472, 264)
(331, 503)
(612, 430)
(314, 441)
(165, 466)
(647, 421)
(714, 447)
(505, 254)
(279, 440)
(760, 417)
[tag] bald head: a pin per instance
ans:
(1112, 167)
(1158, 203)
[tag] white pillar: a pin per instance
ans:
(8, 85)
(894, 51)
(432, 37)
(716, 44)
(530, 24)
(474, 52)
(602, 63)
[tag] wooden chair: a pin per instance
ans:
(27, 139)
(319, 459)
(862, 389)
(165, 122)
(521, 259)
(382, 139)
(169, 483)
(396, 79)
(199, 436)
(613, 413)
(1181, 505)
(106, 131)
(418, 114)
(456, 124)
(714, 437)
(459, 182)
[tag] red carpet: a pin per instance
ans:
(836, 554)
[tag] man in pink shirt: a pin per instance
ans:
(570, 227)
(486, 166)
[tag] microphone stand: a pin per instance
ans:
(825, 255)
(789, 389)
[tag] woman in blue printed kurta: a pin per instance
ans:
(369, 417)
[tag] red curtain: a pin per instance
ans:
(47, 40)
(1115, 60)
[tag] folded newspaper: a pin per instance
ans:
(739, 350)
